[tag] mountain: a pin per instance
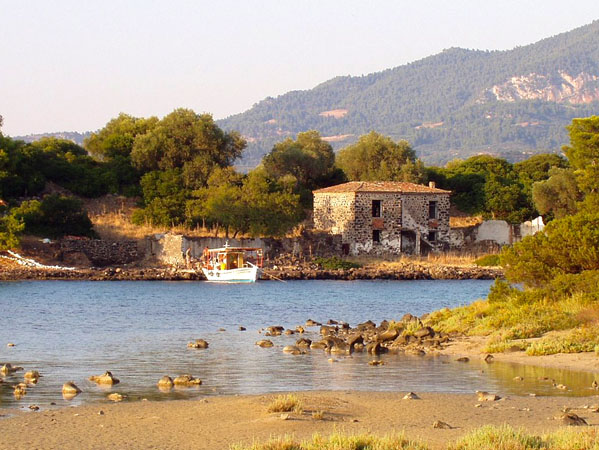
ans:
(451, 105)
(74, 136)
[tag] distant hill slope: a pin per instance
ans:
(453, 104)
(74, 136)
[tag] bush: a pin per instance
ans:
(488, 260)
(285, 403)
(55, 216)
(10, 228)
(334, 263)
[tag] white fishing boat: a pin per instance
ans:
(232, 264)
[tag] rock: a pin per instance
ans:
(34, 407)
(199, 343)
(323, 344)
(70, 390)
(289, 332)
(388, 335)
(274, 330)
(20, 390)
(332, 322)
(264, 343)
(411, 396)
(486, 397)
(299, 329)
(572, 419)
(221, 329)
(339, 347)
(292, 350)
(284, 416)
(105, 379)
(32, 376)
(563, 387)
(463, 359)
(518, 378)
(595, 385)
(8, 368)
(186, 380)
(241, 328)
(303, 342)
(376, 362)
(165, 382)
(115, 397)
(489, 358)
(424, 332)
(415, 351)
(326, 330)
(10, 344)
(312, 323)
(354, 340)
(375, 348)
(441, 425)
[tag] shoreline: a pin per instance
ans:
(218, 422)
(411, 272)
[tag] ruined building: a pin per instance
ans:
(384, 217)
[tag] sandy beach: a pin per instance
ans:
(218, 422)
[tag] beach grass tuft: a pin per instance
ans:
(286, 403)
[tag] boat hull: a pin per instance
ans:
(240, 275)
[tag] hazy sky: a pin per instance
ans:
(73, 65)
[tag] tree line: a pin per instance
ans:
(181, 169)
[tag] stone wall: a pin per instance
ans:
(169, 249)
(334, 212)
(415, 217)
(388, 224)
(493, 233)
(99, 252)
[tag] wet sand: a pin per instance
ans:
(473, 347)
(218, 422)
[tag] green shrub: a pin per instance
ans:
(334, 263)
(10, 228)
(487, 260)
(55, 216)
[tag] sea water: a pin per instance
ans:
(69, 330)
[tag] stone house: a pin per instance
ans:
(384, 217)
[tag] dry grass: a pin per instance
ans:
(508, 438)
(286, 403)
(464, 221)
(338, 441)
(432, 259)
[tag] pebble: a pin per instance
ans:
(10, 344)
(411, 396)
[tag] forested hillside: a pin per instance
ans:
(453, 104)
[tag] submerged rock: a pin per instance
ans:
(70, 390)
(265, 343)
(166, 382)
(186, 380)
(8, 368)
(199, 343)
(115, 397)
(105, 379)
(32, 376)
(292, 350)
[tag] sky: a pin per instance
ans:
(72, 65)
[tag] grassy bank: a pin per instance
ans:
(484, 438)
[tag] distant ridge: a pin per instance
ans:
(454, 104)
(68, 135)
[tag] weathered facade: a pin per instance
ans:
(384, 217)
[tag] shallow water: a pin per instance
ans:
(69, 330)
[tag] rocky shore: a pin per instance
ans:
(406, 272)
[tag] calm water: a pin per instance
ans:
(69, 330)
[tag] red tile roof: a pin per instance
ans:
(381, 186)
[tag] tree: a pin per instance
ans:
(188, 141)
(569, 245)
(164, 198)
(116, 139)
(557, 196)
(308, 158)
(10, 229)
(583, 152)
(378, 158)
